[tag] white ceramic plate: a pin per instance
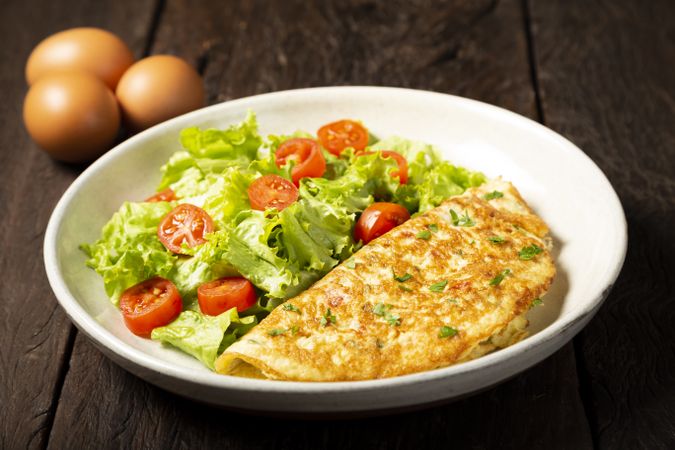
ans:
(557, 179)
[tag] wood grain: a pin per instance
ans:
(472, 48)
(607, 81)
(35, 334)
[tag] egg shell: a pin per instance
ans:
(158, 88)
(92, 50)
(71, 115)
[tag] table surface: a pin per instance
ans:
(600, 73)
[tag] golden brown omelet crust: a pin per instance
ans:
(401, 335)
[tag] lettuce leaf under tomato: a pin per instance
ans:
(129, 251)
(202, 336)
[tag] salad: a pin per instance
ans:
(240, 223)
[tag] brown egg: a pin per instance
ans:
(158, 88)
(71, 115)
(89, 49)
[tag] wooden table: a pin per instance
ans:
(602, 73)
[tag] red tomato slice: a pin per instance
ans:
(150, 304)
(377, 219)
(402, 172)
(217, 296)
(184, 224)
(272, 191)
(309, 161)
(337, 136)
(167, 195)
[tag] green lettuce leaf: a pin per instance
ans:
(253, 251)
(207, 263)
(420, 156)
(129, 250)
(284, 252)
(430, 179)
(364, 181)
(444, 181)
(202, 336)
(213, 151)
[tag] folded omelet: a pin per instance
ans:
(447, 286)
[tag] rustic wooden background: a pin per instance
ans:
(602, 73)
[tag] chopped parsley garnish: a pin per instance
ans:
(447, 332)
(276, 331)
(291, 307)
(500, 277)
(492, 195)
(496, 239)
(379, 343)
(529, 252)
(402, 278)
(328, 318)
(461, 221)
(382, 310)
(424, 234)
(438, 287)
(279, 331)
(452, 300)
(350, 264)
(536, 302)
(404, 288)
(433, 227)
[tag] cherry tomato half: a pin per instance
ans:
(217, 296)
(272, 191)
(150, 304)
(402, 172)
(184, 224)
(167, 195)
(309, 161)
(337, 136)
(377, 219)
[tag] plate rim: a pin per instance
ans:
(102, 337)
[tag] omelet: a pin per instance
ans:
(447, 286)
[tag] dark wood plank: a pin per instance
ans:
(35, 333)
(607, 82)
(475, 49)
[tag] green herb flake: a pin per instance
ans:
(294, 330)
(433, 227)
(404, 288)
(382, 310)
(393, 320)
(496, 239)
(379, 343)
(461, 221)
(402, 278)
(276, 331)
(447, 332)
(350, 264)
(438, 287)
(291, 307)
(500, 277)
(529, 252)
(424, 234)
(328, 318)
(492, 195)
(536, 302)
(452, 300)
